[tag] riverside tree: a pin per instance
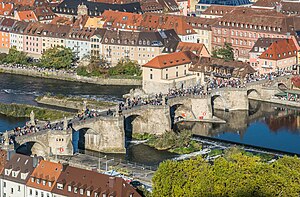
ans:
(57, 57)
(15, 57)
(234, 174)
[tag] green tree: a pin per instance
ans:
(235, 174)
(125, 67)
(226, 52)
(57, 57)
(16, 57)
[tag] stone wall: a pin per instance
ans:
(60, 142)
(154, 120)
(230, 99)
(105, 134)
(70, 77)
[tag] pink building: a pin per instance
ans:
(281, 55)
(32, 39)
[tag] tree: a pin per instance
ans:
(235, 174)
(125, 67)
(57, 57)
(16, 57)
(226, 52)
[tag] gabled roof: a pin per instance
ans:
(44, 13)
(19, 167)
(226, 2)
(6, 24)
(6, 9)
(27, 15)
(19, 27)
(266, 3)
(171, 60)
(93, 182)
(263, 43)
(189, 46)
(281, 49)
(219, 10)
(48, 171)
(94, 8)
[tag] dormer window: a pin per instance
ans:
(75, 190)
(59, 186)
(49, 184)
(69, 188)
(88, 193)
(32, 179)
(81, 191)
(44, 182)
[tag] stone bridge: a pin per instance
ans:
(107, 133)
(45, 143)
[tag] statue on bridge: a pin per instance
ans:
(65, 124)
(6, 138)
(32, 121)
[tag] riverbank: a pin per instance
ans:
(66, 76)
(76, 103)
(280, 102)
(22, 111)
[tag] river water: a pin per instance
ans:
(266, 125)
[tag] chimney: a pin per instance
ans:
(35, 161)
(64, 166)
(111, 181)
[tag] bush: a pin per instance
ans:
(125, 67)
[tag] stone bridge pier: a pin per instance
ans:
(192, 108)
(150, 119)
(102, 134)
(229, 99)
(45, 143)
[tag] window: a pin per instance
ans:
(12, 190)
(151, 77)
(38, 181)
(59, 186)
(19, 188)
(69, 188)
(30, 192)
(81, 191)
(4, 184)
(88, 193)
(75, 190)
(36, 193)
(44, 182)
(176, 74)
(50, 184)
(166, 76)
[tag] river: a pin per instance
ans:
(266, 125)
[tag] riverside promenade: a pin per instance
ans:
(66, 75)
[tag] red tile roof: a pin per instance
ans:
(45, 171)
(193, 47)
(171, 59)
(280, 49)
(6, 9)
(27, 15)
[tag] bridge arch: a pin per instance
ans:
(218, 102)
(129, 127)
(83, 138)
(31, 147)
(253, 93)
(282, 86)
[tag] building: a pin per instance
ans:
(17, 35)
(151, 22)
(71, 8)
(204, 4)
(15, 175)
(6, 25)
(202, 26)
(197, 48)
(32, 39)
(259, 47)
(216, 11)
(43, 179)
(44, 14)
(79, 40)
(220, 69)
(78, 182)
(280, 55)
(137, 46)
(243, 26)
(169, 71)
